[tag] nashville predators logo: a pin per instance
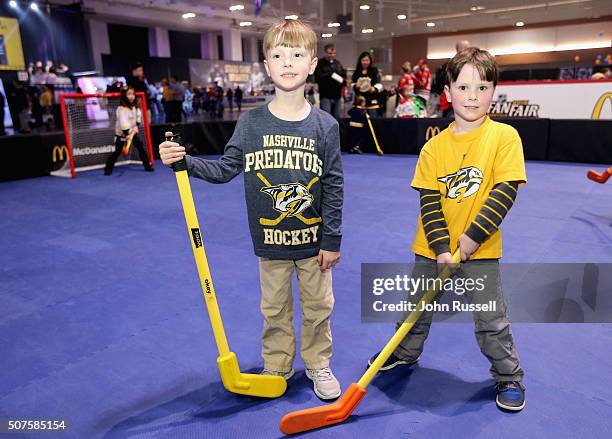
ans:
(290, 199)
(464, 182)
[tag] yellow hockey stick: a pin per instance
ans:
(265, 386)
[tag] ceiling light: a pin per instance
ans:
(364, 7)
(13, 4)
(236, 8)
(519, 24)
(326, 35)
(245, 23)
(477, 8)
(291, 17)
(431, 24)
(187, 15)
(333, 24)
(401, 17)
(34, 7)
(367, 31)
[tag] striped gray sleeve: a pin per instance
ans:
(434, 224)
(492, 213)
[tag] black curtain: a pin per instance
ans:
(185, 44)
(132, 41)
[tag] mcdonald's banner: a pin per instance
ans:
(553, 100)
(429, 128)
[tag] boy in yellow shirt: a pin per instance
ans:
(468, 177)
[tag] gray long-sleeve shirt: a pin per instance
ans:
(293, 180)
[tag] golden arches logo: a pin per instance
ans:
(596, 114)
(59, 151)
(432, 131)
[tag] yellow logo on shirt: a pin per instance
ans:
(463, 183)
(290, 199)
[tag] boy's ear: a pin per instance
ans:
(447, 93)
(313, 65)
(267, 68)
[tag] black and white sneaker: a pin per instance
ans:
(510, 395)
(391, 362)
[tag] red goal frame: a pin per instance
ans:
(143, 109)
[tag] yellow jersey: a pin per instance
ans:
(464, 168)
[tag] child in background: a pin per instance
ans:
(357, 124)
(128, 118)
(409, 107)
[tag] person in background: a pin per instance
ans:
(129, 117)
(187, 106)
(230, 99)
(212, 101)
(330, 77)
(219, 96)
(21, 105)
(437, 86)
(197, 100)
(167, 99)
(422, 82)
(409, 107)
(46, 104)
(114, 87)
(139, 82)
(176, 101)
(49, 67)
(238, 98)
(357, 124)
(366, 81)
(407, 77)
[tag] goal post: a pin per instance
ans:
(89, 130)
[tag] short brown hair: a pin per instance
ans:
(290, 33)
(329, 46)
(481, 59)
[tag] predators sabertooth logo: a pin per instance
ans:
(464, 182)
(290, 199)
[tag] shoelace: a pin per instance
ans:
(510, 385)
(324, 374)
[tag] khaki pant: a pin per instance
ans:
(317, 300)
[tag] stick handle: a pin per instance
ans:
(403, 330)
(197, 245)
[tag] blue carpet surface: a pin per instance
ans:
(103, 322)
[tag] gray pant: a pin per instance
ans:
(492, 328)
(331, 106)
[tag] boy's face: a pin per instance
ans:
(289, 66)
(469, 94)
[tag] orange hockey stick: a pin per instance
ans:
(599, 178)
(317, 417)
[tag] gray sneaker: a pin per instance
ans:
(285, 375)
(326, 386)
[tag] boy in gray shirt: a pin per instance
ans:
(290, 155)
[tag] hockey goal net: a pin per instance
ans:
(89, 129)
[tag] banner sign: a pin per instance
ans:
(11, 53)
(553, 100)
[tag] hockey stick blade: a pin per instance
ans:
(317, 417)
(597, 177)
(263, 386)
